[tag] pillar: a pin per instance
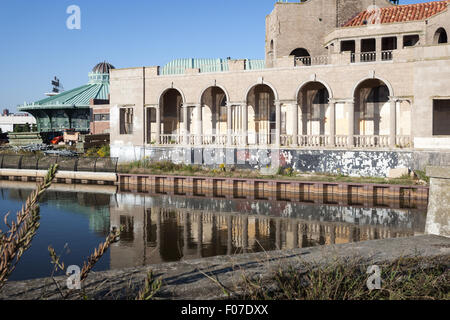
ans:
(244, 123)
(332, 106)
(158, 125)
(378, 48)
(229, 125)
(278, 123)
(358, 50)
(393, 123)
(185, 125)
(351, 123)
(199, 124)
(295, 124)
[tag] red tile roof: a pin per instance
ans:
(403, 13)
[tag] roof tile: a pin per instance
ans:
(403, 13)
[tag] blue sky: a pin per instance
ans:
(36, 45)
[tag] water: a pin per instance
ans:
(165, 228)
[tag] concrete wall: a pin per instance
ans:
(355, 163)
(438, 217)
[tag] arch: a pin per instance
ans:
(387, 83)
(330, 92)
(218, 86)
(214, 113)
(163, 92)
(171, 113)
(261, 110)
(313, 101)
(300, 52)
(372, 108)
(440, 36)
(262, 83)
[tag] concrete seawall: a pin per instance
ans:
(192, 280)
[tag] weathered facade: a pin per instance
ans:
(336, 76)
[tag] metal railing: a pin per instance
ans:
(81, 164)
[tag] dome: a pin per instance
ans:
(103, 67)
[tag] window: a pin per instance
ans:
(101, 117)
(410, 41)
(126, 120)
(441, 117)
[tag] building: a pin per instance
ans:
(343, 81)
(11, 122)
(83, 109)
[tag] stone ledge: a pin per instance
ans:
(188, 280)
(439, 172)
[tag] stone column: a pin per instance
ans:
(244, 123)
(295, 125)
(351, 123)
(358, 50)
(158, 125)
(229, 125)
(277, 123)
(332, 106)
(378, 48)
(438, 217)
(393, 122)
(185, 125)
(199, 124)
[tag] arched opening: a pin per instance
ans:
(372, 108)
(171, 113)
(440, 36)
(261, 115)
(300, 52)
(214, 112)
(313, 101)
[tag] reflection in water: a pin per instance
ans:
(167, 228)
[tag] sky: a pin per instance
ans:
(36, 45)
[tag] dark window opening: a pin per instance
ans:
(440, 36)
(389, 43)
(300, 52)
(348, 45)
(126, 120)
(441, 117)
(410, 41)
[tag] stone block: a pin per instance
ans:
(398, 173)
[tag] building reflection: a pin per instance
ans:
(158, 229)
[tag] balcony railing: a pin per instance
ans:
(368, 56)
(371, 141)
(311, 61)
(303, 141)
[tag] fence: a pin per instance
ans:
(82, 164)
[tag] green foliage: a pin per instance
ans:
(403, 279)
(422, 175)
(102, 152)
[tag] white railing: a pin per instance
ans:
(404, 142)
(213, 139)
(257, 138)
(286, 140)
(313, 141)
(264, 139)
(311, 61)
(171, 139)
(341, 141)
(371, 141)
